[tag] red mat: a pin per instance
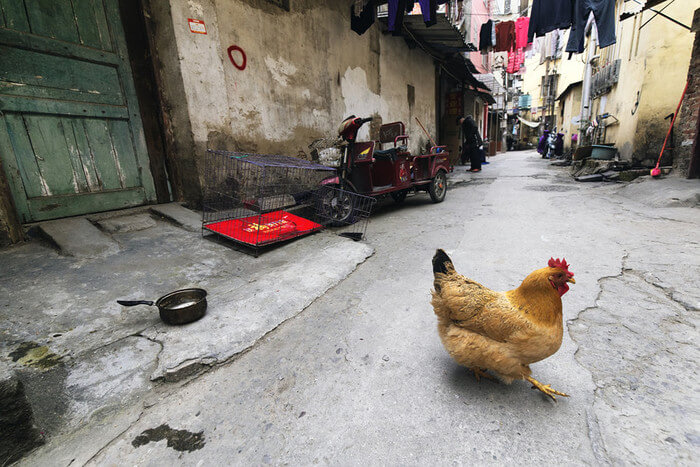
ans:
(265, 228)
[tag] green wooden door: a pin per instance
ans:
(71, 139)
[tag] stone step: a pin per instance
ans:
(78, 237)
(185, 218)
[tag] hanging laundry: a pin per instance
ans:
(361, 22)
(505, 36)
(548, 15)
(397, 9)
(485, 36)
(428, 9)
(513, 65)
(604, 14)
(493, 33)
(555, 44)
(521, 27)
(516, 60)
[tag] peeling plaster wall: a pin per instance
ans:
(306, 70)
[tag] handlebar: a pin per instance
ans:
(365, 120)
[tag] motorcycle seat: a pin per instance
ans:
(390, 154)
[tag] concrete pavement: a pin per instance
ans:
(360, 377)
(80, 355)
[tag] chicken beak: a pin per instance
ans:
(571, 279)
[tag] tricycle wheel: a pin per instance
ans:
(337, 206)
(438, 187)
(399, 196)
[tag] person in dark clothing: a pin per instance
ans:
(471, 141)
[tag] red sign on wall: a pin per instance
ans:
(454, 103)
(197, 26)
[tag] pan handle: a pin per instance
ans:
(135, 302)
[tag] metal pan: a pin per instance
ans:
(179, 307)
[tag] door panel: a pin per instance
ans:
(38, 74)
(71, 139)
(14, 15)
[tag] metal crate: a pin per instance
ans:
(260, 199)
(346, 210)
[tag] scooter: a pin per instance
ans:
(369, 171)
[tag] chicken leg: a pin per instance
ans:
(479, 373)
(545, 388)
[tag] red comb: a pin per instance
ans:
(557, 263)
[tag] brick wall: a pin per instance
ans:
(686, 131)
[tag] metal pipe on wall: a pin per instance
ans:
(588, 72)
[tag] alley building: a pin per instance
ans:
(112, 104)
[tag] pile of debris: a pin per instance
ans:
(595, 170)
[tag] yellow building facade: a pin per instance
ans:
(637, 82)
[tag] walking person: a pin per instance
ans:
(471, 141)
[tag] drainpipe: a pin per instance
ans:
(588, 73)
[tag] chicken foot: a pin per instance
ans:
(545, 388)
(479, 373)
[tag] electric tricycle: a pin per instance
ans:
(368, 169)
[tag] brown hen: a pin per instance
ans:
(503, 332)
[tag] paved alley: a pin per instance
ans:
(360, 376)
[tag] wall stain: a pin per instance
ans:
(179, 440)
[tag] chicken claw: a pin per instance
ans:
(545, 388)
(479, 373)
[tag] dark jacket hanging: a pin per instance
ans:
(360, 24)
(485, 40)
(548, 15)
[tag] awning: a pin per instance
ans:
(443, 42)
(485, 95)
(529, 123)
(568, 88)
(634, 7)
(461, 68)
(442, 37)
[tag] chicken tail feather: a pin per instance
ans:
(441, 262)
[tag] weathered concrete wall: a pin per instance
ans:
(305, 71)
(179, 139)
(687, 123)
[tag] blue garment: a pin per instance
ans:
(397, 8)
(428, 9)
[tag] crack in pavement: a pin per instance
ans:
(646, 376)
(115, 438)
(594, 434)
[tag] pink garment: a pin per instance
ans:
(513, 63)
(521, 26)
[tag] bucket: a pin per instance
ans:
(602, 152)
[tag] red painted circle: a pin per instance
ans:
(230, 56)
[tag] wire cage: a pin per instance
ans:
(261, 199)
(347, 210)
